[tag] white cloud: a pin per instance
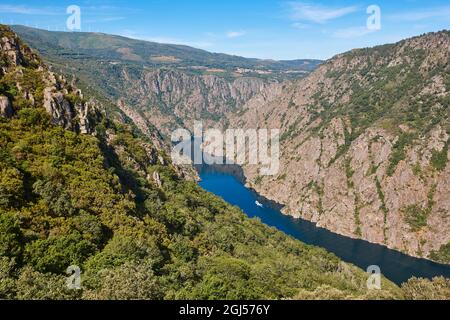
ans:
(235, 34)
(318, 13)
(353, 32)
(432, 13)
(19, 9)
(298, 25)
(111, 19)
(105, 19)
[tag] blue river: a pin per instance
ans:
(394, 265)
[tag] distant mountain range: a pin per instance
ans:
(105, 47)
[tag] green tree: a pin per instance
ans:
(11, 236)
(11, 187)
(424, 289)
(56, 254)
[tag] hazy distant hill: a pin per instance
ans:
(152, 54)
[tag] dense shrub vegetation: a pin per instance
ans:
(439, 159)
(422, 289)
(442, 255)
(69, 199)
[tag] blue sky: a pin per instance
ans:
(269, 29)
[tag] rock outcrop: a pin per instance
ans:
(157, 179)
(29, 83)
(6, 109)
(67, 108)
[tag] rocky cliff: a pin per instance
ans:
(172, 98)
(365, 145)
(169, 85)
(26, 82)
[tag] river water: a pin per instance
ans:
(394, 265)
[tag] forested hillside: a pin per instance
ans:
(97, 196)
(77, 188)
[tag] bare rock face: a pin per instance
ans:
(364, 145)
(173, 98)
(10, 48)
(13, 52)
(6, 109)
(86, 125)
(57, 107)
(157, 179)
(72, 115)
(186, 94)
(142, 123)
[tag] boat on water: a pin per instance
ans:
(259, 204)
